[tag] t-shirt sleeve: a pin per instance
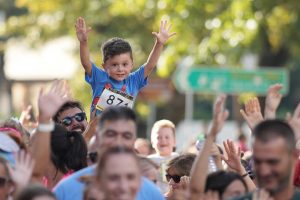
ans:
(96, 75)
(138, 79)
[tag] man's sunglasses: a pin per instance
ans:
(3, 181)
(175, 178)
(79, 117)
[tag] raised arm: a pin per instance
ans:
(294, 122)
(161, 38)
(252, 113)
(200, 166)
(82, 34)
(48, 104)
(272, 101)
(233, 161)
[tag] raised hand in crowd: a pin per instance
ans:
(81, 30)
(272, 101)
(294, 121)
(233, 161)
(22, 171)
(252, 113)
(200, 166)
(164, 32)
(48, 104)
(26, 119)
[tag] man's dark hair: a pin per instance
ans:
(66, 106)
(114, 113)
(115, 46)
(273, 129)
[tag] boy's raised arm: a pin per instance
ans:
(82, 35)
(161, 37)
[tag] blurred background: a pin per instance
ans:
(38, 44)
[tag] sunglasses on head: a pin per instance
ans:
(175, 178)
(3, 180)
(79, 117)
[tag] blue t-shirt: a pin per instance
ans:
(134, 82)
(71, 188)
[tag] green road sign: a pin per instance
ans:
(230, 81)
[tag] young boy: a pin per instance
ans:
(116, 85)
(163, 140)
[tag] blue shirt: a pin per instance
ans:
(71, 188)
(134, 82)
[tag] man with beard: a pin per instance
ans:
(275, 156)
(71, 116)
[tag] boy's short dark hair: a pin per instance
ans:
(115, 46)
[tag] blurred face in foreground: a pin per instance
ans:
(163, 141)
(273, 164)
(120, 178)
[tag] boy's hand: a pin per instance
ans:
(163, 35)
(81, 30)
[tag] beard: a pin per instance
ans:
(282, 183)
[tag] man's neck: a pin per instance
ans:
(284, 194)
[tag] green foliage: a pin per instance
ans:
(214, 32)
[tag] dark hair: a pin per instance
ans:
(115, 46)
(182, 164)
(32, 191)
(68, 149)
(113, 113)
(105, 154)
(219, 181)
(273, 129)
(66, 106)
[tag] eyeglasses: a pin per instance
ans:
(79, 117)
(3, 180)
(175, 178)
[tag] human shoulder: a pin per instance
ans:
(149, 191)
(73, 179)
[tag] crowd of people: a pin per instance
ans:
(62, 156)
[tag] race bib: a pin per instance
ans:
(111, 97)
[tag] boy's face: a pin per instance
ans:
(119, 66)
(163, 141)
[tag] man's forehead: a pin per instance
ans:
(119, 125)
(272, 147)
(70, 112)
